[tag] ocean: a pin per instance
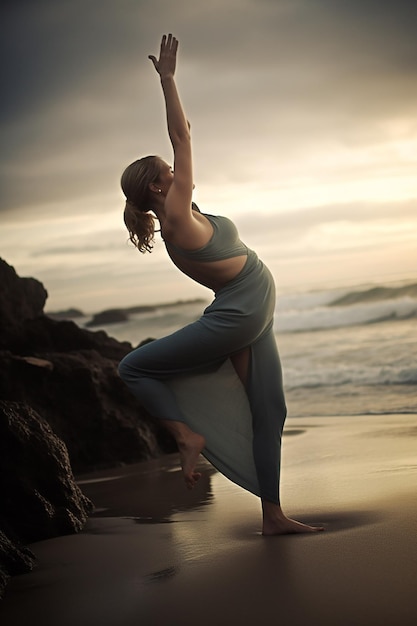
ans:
(344, 351)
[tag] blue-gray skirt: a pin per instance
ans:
(187, 376)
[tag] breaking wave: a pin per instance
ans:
(327, 309)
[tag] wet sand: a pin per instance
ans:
(155, 553)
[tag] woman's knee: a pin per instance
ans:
(122, 368)
(128, 368)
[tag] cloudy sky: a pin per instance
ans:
(304, 124)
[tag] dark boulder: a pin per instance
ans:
(43, 334)
(39, 496)
(20, 299)
(86, 403)
(67, 375)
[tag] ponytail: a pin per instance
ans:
(135, 184)
(141, 227)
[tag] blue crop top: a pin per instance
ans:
(224, 243)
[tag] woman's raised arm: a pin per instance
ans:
(178, 127)
(178, 201)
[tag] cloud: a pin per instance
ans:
(267, 228)
(257, 77)
(303, 108)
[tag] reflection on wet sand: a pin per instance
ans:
(152, 490)
(155, 553)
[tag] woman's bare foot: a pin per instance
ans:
(276, 523)
(190, 445)
(190, 449)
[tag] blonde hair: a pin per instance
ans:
(135, 183)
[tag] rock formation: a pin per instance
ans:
(59, 392)
(39, 496)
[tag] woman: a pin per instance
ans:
(236, 326)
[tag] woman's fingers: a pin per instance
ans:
(167, 55)
(153, 59)
(169, 44)
(163, 44)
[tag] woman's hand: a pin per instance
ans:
(165, 66)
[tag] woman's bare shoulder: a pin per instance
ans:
(190, 232)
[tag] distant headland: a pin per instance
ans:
(117, 315)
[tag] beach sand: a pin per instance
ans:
(154, 553)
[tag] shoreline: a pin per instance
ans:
(155, 553)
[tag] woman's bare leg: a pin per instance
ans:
(274, 522)
(190, 445)
(240, 361)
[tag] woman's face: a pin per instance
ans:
(166, 176)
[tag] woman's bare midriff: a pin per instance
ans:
(211, 274)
